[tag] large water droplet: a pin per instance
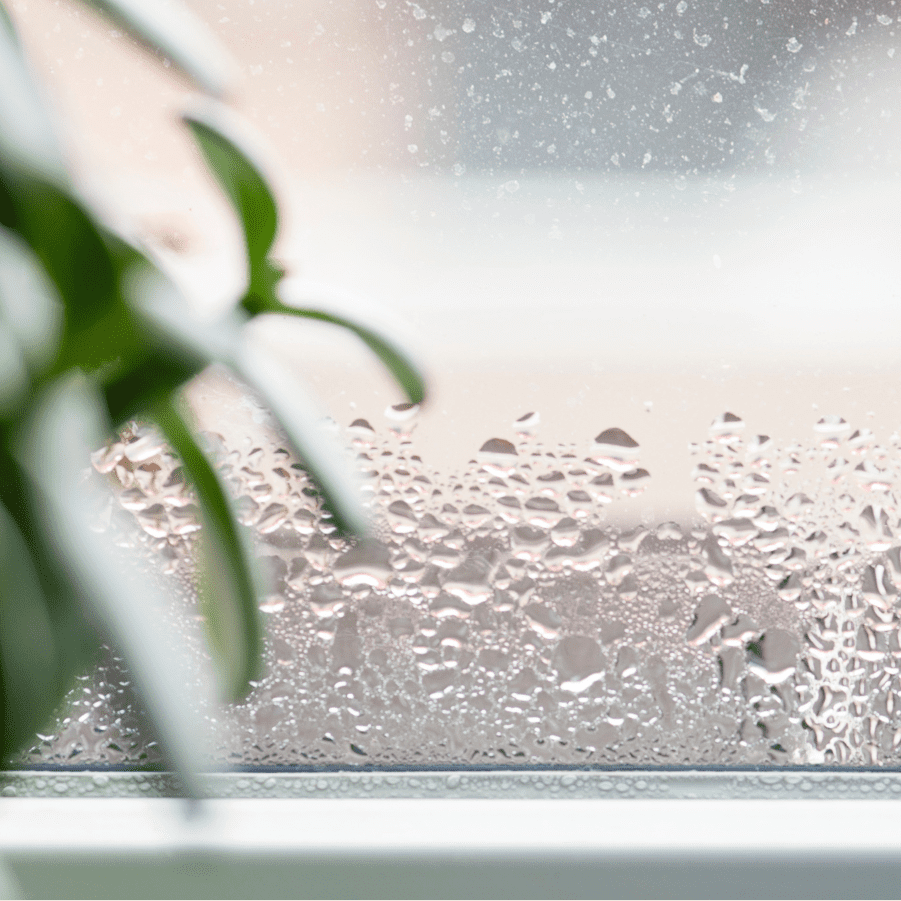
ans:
(366, 564)
(579, 663)
(712, 613)
(498, 457)
(775, 657)
(616, 449)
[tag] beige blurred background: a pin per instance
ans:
(652, 301)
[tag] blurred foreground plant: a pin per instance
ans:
(93, 333)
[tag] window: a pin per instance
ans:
(649, 517)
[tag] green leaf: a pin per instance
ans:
(175, 347)
(67, 425)
(223, 341)
(236, 158)
(98, 326)
(296, 298)
(6, 23)
(14, 381)
(322, 456)
(164, 310)
(30, 688)
(28, 302)
(28, 140)
(228, 594)
(168, 27)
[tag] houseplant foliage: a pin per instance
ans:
(92, 334)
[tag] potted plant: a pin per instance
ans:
(93, 334)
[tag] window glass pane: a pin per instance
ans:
(649, 515)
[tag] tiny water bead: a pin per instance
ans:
(502, 614)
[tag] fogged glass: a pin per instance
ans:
(649, 515)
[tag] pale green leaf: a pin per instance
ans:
(68, 424)
(172, 29)
(321, 455)
(28, 141)
(228, 593)
(301, 298)
(6, 23)
(28, 302)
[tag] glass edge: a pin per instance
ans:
(507, 784)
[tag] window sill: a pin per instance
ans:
(650, 841)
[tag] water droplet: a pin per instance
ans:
(711, 614)
(149, 443)
(618, 568)
(542, 512)
(634, 482)
(727, 427)
(543, 620)
(401, 518)
(831, 425)
(527, 424)
(366, 564)
(470, 581)
(498, 457)
(719, 567)
(740, 632)
(775, 657)
(877, 587)
(669, 531)
(579, 663)
(616, 449)
(710, 505)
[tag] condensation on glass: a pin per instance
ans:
(499, 617)
(637, 240)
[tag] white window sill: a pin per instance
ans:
(460, 846)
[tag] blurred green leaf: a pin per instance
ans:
(76, 643)
(67, 425)
(30, 688)
(233, 155)
(134, 392)
(322, 456)
(170, 28)
(6, 23)
(174, 345)
(294, 300)
(28, 303)
(28, 140)
(14, 381)
(228, 593)
(99, 330)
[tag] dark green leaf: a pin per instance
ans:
(134, 392)
(321, 455)
(29, 680)
(76, 643)
(168, 27)
(295, 300)
(99, 328)
(228, 594)
(68, 424)
(232, 155)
